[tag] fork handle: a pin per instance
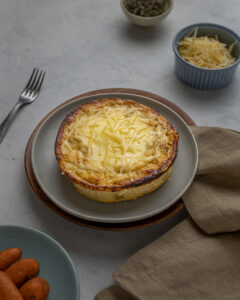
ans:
(8, 120)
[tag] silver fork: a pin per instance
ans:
(28, 95)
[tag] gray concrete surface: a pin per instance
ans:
(86, 45)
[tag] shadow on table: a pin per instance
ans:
(204, 96)
(213, 97)
(142, 34)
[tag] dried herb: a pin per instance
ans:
(145, 8)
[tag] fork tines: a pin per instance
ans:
(35, 82)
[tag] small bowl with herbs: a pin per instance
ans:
(146, 13)
(206, 55)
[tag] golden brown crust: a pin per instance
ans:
(145, 177)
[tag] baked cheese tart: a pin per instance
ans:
(116, 149)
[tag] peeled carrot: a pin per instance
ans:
(23, 270)
(9, 256)
(8, 290)
(35, 288)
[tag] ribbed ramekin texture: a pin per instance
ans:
(206, 79)
(201, 78)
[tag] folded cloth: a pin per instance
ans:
(188, 263)
(213, 200)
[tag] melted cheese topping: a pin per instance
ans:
(115, 142)
(206, 52)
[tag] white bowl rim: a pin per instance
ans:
(147, 18)
(210, 25)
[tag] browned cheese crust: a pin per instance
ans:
(74, 156)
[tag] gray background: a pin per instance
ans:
(86, 45)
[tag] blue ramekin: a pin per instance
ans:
(200, 78)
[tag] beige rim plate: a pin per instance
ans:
(61, 192)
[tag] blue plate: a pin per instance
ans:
(56, 265)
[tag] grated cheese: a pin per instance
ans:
(206, 52)
(115, 143)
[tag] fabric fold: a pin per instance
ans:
(200, 257)
(213, 199)
(114, 292)
(185, 264)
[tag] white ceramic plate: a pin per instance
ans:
(60, 190)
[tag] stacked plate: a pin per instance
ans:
(57, 192)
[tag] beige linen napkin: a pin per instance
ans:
(187, 262)
(213, 200)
